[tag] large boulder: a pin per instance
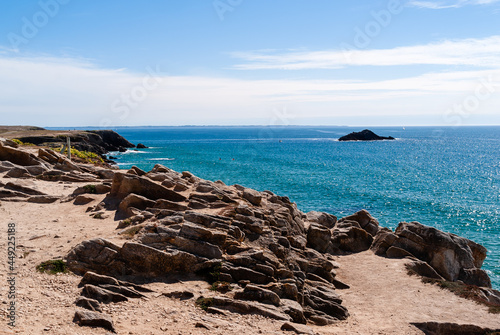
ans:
(94, 319)
(124, 184)
(18, 157)
(319, 237)
(347, 236)
(453, 257)
(324, 219)
(365, 221)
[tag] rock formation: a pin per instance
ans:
(365, 135)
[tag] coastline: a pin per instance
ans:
(65, 189)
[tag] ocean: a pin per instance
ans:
(448, 177)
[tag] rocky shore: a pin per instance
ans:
(221, 253)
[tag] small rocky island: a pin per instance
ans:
(365, 135)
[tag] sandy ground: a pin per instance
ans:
(382, 299)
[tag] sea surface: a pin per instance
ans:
(448, 178)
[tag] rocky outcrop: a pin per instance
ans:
(97, 141)
(365, 135)
(253, 241)
(451, 256)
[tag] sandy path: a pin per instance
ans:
(383, 299)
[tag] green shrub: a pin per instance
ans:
(15, 140)
(90, 189)
(53, 266)
(221, 286)
(204, 303)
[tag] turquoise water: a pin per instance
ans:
(448, 178)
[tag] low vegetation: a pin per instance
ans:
(15, 140)
(53, 266)
(204, 303)
(87, 156)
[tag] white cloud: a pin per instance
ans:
(49, 91)
(483, 52)
(449, 3)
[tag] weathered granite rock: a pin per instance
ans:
(347, 236)
(256, 293)
(94, 319)
(136, 201)
(17, 156)
(324, 219)
(87, 303)
(102, 295)
(297, 328)
(319, 237)
(365, 221)
(124, 184)
(453, 257)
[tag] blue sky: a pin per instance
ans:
(176, 62)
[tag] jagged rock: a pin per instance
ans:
(435, 328)
(294, 310)
(297, 328)
(97, 279)
(6, 166)
(324, 219)
(141, 146)
(256, 293)
(158, 168)
(181, 295)
(136, 201)
(153, 262)
(197, 232)
(17, 156)
(423, 269)
(18, 172)
(94, 319)
(475, 276)
(124, 184)
(87, 303)
(7, 142)
(242, 307)
(23, 189)
(319, 237)
(50, 156)
(365, 221)
(43, 199)
(199, 248)
(98, 255)
(453, 257)
(350, 238)
(166, 204)
(102, 295)
(242, 273)
(330, 308)
(11, 194)
(135, 170)
(125, 291)
(395, 252)
(254, 197)
(83, 200)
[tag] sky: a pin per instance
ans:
(109, 63)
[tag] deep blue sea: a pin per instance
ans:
(446, 177)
